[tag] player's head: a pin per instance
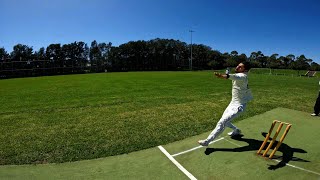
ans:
(243, 67)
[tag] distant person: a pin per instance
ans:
(241, 95)
(316, 108)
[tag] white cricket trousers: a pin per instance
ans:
(231, 112)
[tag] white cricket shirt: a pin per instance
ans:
(241, 94)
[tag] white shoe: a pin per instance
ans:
(234, 132)
(203, 142)
(314, 114)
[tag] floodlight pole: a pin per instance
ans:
(190, 63)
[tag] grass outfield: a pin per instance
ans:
(69, 118)
(226, 159)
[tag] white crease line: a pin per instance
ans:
(299, 168)
(280, 161)
(177, 154)
(233, 143)
(177, 164)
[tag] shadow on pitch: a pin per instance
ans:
(254, 145)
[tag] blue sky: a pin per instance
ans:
(283, 26)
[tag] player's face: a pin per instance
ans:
(240, 68)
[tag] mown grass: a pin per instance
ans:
(76, 117)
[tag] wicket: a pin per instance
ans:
(274, 138)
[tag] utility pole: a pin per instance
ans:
(190, 63)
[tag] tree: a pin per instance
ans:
(155, 54)
(85, 56)
(54, 55)
(74, 55)
(95, 56)
(242, 58)
(314, 66)
(289, 60)
(53, 52)
(258, 59)
(22, 52)
(3, 54)
(201, 56)
(216, 60)
(234, 53)
(273, 62)
(115, 59)
(232, 59)
(302, 63)
(105, 50)
(41, 54)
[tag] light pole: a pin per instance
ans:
(190, 63)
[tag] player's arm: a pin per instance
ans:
(237, 77)
(222, 76)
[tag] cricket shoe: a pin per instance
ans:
(314, 114)
(235, 132)
(203, 142)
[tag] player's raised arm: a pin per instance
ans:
(219, 75)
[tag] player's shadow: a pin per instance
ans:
(254, 145)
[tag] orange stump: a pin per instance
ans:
(274, 138)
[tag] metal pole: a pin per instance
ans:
(190, 63)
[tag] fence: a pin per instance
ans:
(10, 69)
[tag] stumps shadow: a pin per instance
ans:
(254, 145)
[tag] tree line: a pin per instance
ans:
(153, 55)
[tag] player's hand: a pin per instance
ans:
(218, 74)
